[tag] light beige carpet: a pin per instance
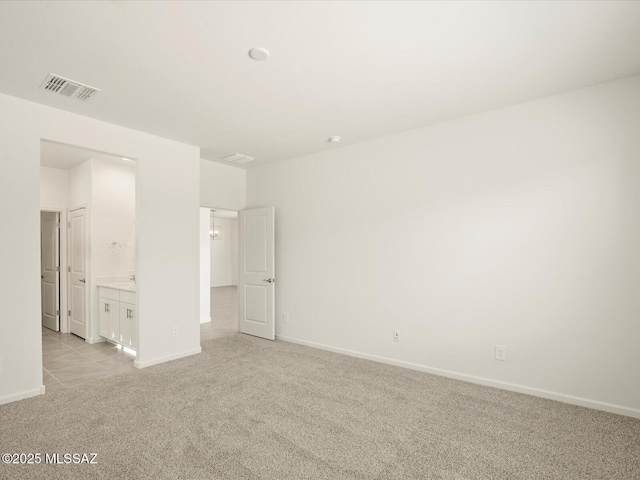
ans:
(252, 409)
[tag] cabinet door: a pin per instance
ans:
(105, 319)
(108, 318)
(126, 324)
(134, 328)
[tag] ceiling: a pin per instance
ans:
(358, 69)
(65, 157)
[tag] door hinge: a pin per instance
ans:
(68, 224)
(69, 269)
(57, 225)
(57, 269)
(57, 313)
(69, 312)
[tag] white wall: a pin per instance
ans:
(235, 266)
(205, 266)
(167, 187)
(113, 210)
(517, 227)
(54, 188)
(113, 219)
(224, 254)
(222, 186)
(80, 186)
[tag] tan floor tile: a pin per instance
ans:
(103, 353)
(46, 331)
(71, 340)
(54, 387)
(118, 364)
(57, 362)
(81, 374)
(48, 379)
(55, 349)
(86, 347)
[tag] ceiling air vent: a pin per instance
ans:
(69, 88)
(239, 158)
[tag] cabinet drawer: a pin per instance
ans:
(109, 293)
(128, 297)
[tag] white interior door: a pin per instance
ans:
(50, 269)
(78, 273)
(256, 283)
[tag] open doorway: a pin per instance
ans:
(219, 273)
(88, 252)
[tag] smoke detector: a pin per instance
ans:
(239, 158)
(68, 88)
(260, 54)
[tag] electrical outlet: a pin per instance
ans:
(175, 331)
(396, 336)
(285, 318)
(501, 352)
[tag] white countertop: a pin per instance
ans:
(126, 286)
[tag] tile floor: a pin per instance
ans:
(68, 360)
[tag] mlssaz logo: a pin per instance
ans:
(71, 458)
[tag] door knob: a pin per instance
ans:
(82, 280)
(269, 280)
(41, 276)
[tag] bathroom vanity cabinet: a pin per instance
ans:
(118, 316)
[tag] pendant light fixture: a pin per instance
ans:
(214, 230)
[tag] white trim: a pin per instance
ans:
(205, 320)
(14, 397)
(168, 358)
(512, 387)
(92, 340)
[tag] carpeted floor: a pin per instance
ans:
(248, 408)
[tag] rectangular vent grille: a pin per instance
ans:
(69, 88)
(239, 158)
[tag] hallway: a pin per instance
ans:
(224, 314)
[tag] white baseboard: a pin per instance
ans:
(14, 397)
(205, 320)
(168, 358)
(513, 387)
(93, 340)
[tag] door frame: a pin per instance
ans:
(237, 266)
(64, 290)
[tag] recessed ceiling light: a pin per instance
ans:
(259, 53)
(335, 139)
